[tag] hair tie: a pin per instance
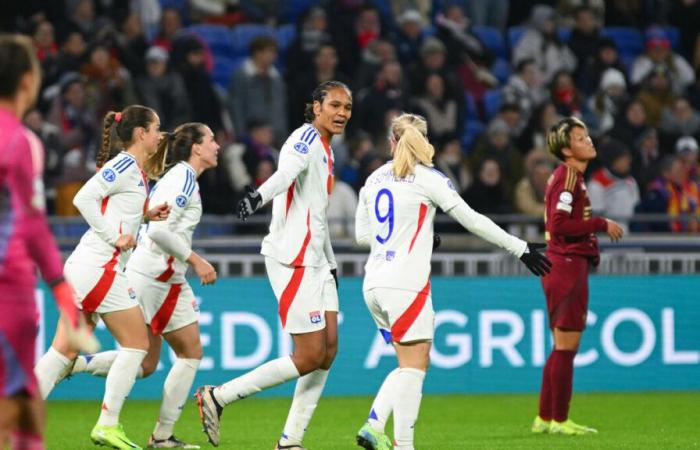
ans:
(118, 117)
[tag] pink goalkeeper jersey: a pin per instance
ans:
(25, 238)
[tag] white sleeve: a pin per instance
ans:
(294, 158)
(596, 194)
(362, 225)
(484, 227)
(163, 232)
(440, 190)
(328, 250)
(88, 199)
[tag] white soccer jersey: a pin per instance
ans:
(395, 216)
(163, 249)
(113, 203)
(300, 189)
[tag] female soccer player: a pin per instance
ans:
(573, 246)
(114, 203)
(25, 243)
(395, 217)
(300, 265)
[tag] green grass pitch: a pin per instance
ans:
(625, 421)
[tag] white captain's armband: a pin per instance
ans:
(565, 200)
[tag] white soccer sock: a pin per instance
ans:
(382, 405)
(48, 370)
(306, 396)
(98, 364)
(177, 386)
(407, 397)
(262, 377)
(119, 382)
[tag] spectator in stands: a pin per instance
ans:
(687, 151)
(568, 100)
(629, 126)
(656, 94)
(542, 44)
(378, 52)
(686, 15)
(659, 52)
(445, 116)
(492, 13)
(170, 25)
(409, 37)
(529, 192)
(673, 193)
(54, 151)
(108, 85)
(495, 145)
(312, 35)
(342, 205)
(360, 145)
(488, 194)
(324, 68)
(258, 91)
(585, 37)
(43, 40)
(163, 90)
(606, 57)
(433, 59)
(693, 91)
(525, 88)
(509, 113)
(82, 17)
(566, 10)
(387, 93)
(679, 120)
(466, 52)
(646, 158)
(610, 100)
(452, 162)
(188, 59)
(612, 190)
(542, 118)
(131, 46)
(69, 58)
(259, 148)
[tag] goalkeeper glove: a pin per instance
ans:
(536, 261)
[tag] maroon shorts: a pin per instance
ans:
(566, 290)
(18, 329)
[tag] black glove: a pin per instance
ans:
(334, 272)
(250, 203)
(536, 261)
(436, 241)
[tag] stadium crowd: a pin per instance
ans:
(489, 76)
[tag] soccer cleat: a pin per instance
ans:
(371, 439)
(540, 425)
(209, 413)
(113, 437)
(171, 442)
(570, 428)
(288, 447)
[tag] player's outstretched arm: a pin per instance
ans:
(538, 263)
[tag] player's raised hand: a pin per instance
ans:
(538, 263)
(615, 231)
(160, 212)
(251, 201)
(125, 242)
(204, 270)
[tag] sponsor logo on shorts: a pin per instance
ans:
(195, 306)
(132, 293)
(390, 255)
(301, 148)
(315, 316)
(109, 175)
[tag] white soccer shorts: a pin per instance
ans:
(166, 306)
(303, 294)
(402, 315)
(100, 290)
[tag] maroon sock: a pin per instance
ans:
(562, 377)
(546, 390)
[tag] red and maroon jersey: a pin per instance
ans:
(568, 219)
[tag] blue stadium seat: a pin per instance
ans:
(493, 39)
(492, 102)
(217, 37)
(629, 41)
(471, 113)
(514, 35)
(472, 130)
(285, 35)
(180, 5)
(564, 33)
(501, 69)
(224, 66)
(295, 8)
(674, 35)
(243, 34)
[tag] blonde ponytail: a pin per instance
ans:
(412, 147)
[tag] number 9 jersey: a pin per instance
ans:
(395, 216)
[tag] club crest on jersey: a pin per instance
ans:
(181, 201)
(315, 316)
(109, 175)
(301, 148)
(132, 293)
(566, 197)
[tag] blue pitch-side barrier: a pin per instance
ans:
(491, 337)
